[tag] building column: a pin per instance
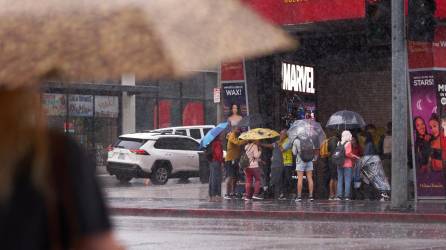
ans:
(399, 108)
(128, 106)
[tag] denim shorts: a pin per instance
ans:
(231, 168)
(304, 166)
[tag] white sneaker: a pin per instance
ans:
(257, 197)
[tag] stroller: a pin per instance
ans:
(369, 169)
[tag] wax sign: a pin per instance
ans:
(233, 90)
(234, 93)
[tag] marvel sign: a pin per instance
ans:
(298, 78)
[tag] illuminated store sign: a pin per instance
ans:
(298, 78)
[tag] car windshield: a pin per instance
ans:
(129, 143)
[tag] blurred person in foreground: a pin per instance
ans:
(49, 195)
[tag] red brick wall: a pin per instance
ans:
(368, 93)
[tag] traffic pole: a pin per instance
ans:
(399, 107)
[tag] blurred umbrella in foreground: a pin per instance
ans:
(95, 39)
(258, 134)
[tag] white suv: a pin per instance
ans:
(197, 132)
(153, 155)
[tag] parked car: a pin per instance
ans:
(196, 132)
(153, 155)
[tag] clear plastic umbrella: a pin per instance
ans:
(345, 119)
(307, 129)
(373, 170)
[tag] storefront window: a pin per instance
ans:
(178, 103)
(55, 107)
(80, 108)
(105, 125)
(146, 110)
(92, 120)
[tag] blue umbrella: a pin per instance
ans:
(212, 134)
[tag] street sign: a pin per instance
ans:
(216, 95)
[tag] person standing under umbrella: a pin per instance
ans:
(233, 151)
(304, 148)
(345, 170)
(254, 152)
(332, 168)
(215, 171)
(279, 175)
(287, 155)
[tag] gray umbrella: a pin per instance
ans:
(307, 129)
(345, 119)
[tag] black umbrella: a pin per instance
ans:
(252, 121)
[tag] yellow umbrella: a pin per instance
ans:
(97, 39)
(258, 134)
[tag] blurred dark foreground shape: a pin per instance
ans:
(49, 197)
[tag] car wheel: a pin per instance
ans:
(160, 175)
(123, 179)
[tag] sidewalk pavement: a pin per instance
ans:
(190, 200)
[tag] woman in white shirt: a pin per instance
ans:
(253, 151)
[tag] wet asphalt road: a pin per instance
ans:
(210, 233)
(201, 233)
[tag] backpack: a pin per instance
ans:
(306, 150)
(324, 152)
(244, 160)
(338, 156)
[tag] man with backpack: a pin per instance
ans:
(304, 150)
